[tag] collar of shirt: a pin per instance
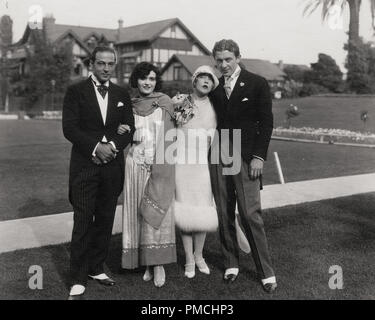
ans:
(97, 82)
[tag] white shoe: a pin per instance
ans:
(147, 275)
(159, 276)
(190, 270)
(77, 290)
(202, 266)
(101, 276)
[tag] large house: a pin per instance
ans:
(155, 42)
(182, 67)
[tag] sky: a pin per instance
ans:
(264, 29)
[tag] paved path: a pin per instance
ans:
(57, 228)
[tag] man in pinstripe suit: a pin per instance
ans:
(92, 111)
(243, 103)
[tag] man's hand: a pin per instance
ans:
(105, 152)
(96, 160)
(255, 168)
(123, 128)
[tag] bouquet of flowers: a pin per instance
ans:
(184, 108)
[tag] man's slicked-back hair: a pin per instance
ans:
(141, 71)
(102, 49)
(226, 44)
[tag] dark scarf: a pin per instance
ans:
(145, 105)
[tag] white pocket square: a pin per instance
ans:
(244, 99)
(120, 104)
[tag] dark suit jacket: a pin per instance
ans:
(249, 109)
(83, 124)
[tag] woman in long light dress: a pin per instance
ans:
(194, 209)
(148, 235)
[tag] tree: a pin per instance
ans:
(360, 64)
(325, 73)
(354, 40)
(6, 32)
(354, 9)
(295, 72)
(49, 68)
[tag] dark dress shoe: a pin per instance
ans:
(269, 287)
(229, 278)
(76, 297)
(105, 282)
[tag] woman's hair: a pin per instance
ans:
(141, 71)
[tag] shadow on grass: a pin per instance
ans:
(304, 240)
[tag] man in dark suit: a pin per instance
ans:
(242, 101)
(93, 109)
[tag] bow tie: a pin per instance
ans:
(101, 88)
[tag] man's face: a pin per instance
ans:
(103, 66)
(226, 62)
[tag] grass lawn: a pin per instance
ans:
(305, 240)
(34, 164)
(328, 112)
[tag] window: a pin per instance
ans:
(176, 73)
(78, 70)
(173, 31)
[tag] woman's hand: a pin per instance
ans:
(123, 128)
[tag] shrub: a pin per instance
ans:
(310, 89)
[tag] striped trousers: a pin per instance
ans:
(94, 193)
(228, 189)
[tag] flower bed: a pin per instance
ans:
(325, 135)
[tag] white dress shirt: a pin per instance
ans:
(103, 105)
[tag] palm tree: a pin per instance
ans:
(354, 7)
(357, 78)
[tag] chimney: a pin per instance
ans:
(48, 24)
(120, 23)
(120, 26)
(281, 64)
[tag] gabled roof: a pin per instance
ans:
(83, 33)
(58, 31)
(263, 68)
(191, 62)
(144, 32)
(301, 67)
(151, 30)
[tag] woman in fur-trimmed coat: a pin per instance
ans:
(194, 209)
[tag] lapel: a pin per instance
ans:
(223, 94)
(238, 88)
(91, 98)
(111, 108)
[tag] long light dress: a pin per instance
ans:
(142, 245)
(194, 205)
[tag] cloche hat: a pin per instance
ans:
(206, 70)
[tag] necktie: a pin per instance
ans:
(227, 87)
(102, 90)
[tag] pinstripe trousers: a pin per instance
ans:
(94, 193)
(227, 189)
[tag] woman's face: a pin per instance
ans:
(147, 85)
(203, 85)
